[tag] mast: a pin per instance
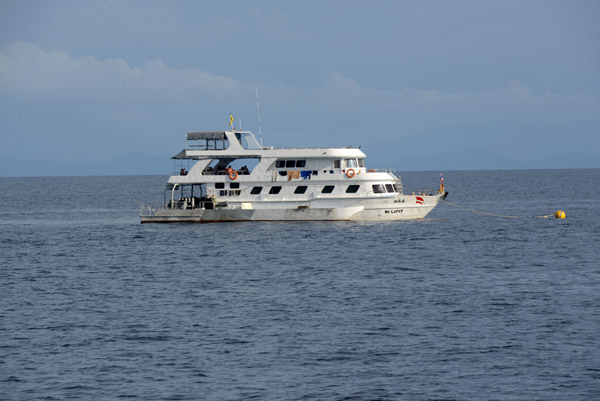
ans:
(258, 113)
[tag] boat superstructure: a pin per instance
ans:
(233, 178)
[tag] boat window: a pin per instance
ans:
(234, 185)
(389, 187)
(256, 190)
(352, 189)
(327, 189)
(361, 163)
(275, 190)
(290, 163)
(300, 189)
(398, 188)
(378, 189)
(350, 163)
(336, 164)
(300, 163)
(280, 163)
(219, 185)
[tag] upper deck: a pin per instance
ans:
(244, 144)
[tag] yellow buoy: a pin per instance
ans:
(560, 214)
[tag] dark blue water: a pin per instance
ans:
(460, 306)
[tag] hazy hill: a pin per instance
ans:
(496, 146)
(129, 164)
(492, 146)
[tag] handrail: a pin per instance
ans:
(224, 172)
(181, 204)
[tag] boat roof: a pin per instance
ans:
(198, 136)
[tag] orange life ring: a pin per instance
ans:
(350, 173)
(233, 175)
(371, 171)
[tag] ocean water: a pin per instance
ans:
(459, 306)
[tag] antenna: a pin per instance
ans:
(258, 113)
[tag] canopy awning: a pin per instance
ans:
(199, 136)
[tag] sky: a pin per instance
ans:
(91, 81)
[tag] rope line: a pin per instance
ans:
(495, 214)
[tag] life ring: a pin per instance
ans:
(371, 171)
(233, 175)
(350, 173)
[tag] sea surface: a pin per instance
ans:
(458, 306)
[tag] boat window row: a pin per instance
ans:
(281, 163)
(232, 185)
(301, 189)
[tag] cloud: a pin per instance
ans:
(29, 72)
(344, 84)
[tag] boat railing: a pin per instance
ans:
(423, 192)
(150, 210)
(181, 204)
(391, 171)
(224, 172)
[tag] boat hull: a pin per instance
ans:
(407, 207)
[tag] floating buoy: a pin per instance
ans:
(560, 214)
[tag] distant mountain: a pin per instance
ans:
(128, 164)
(485, 159)
(455, 148)
(482, 158)
(568, 160)
(492, 146)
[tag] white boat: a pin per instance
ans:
(281, 184)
